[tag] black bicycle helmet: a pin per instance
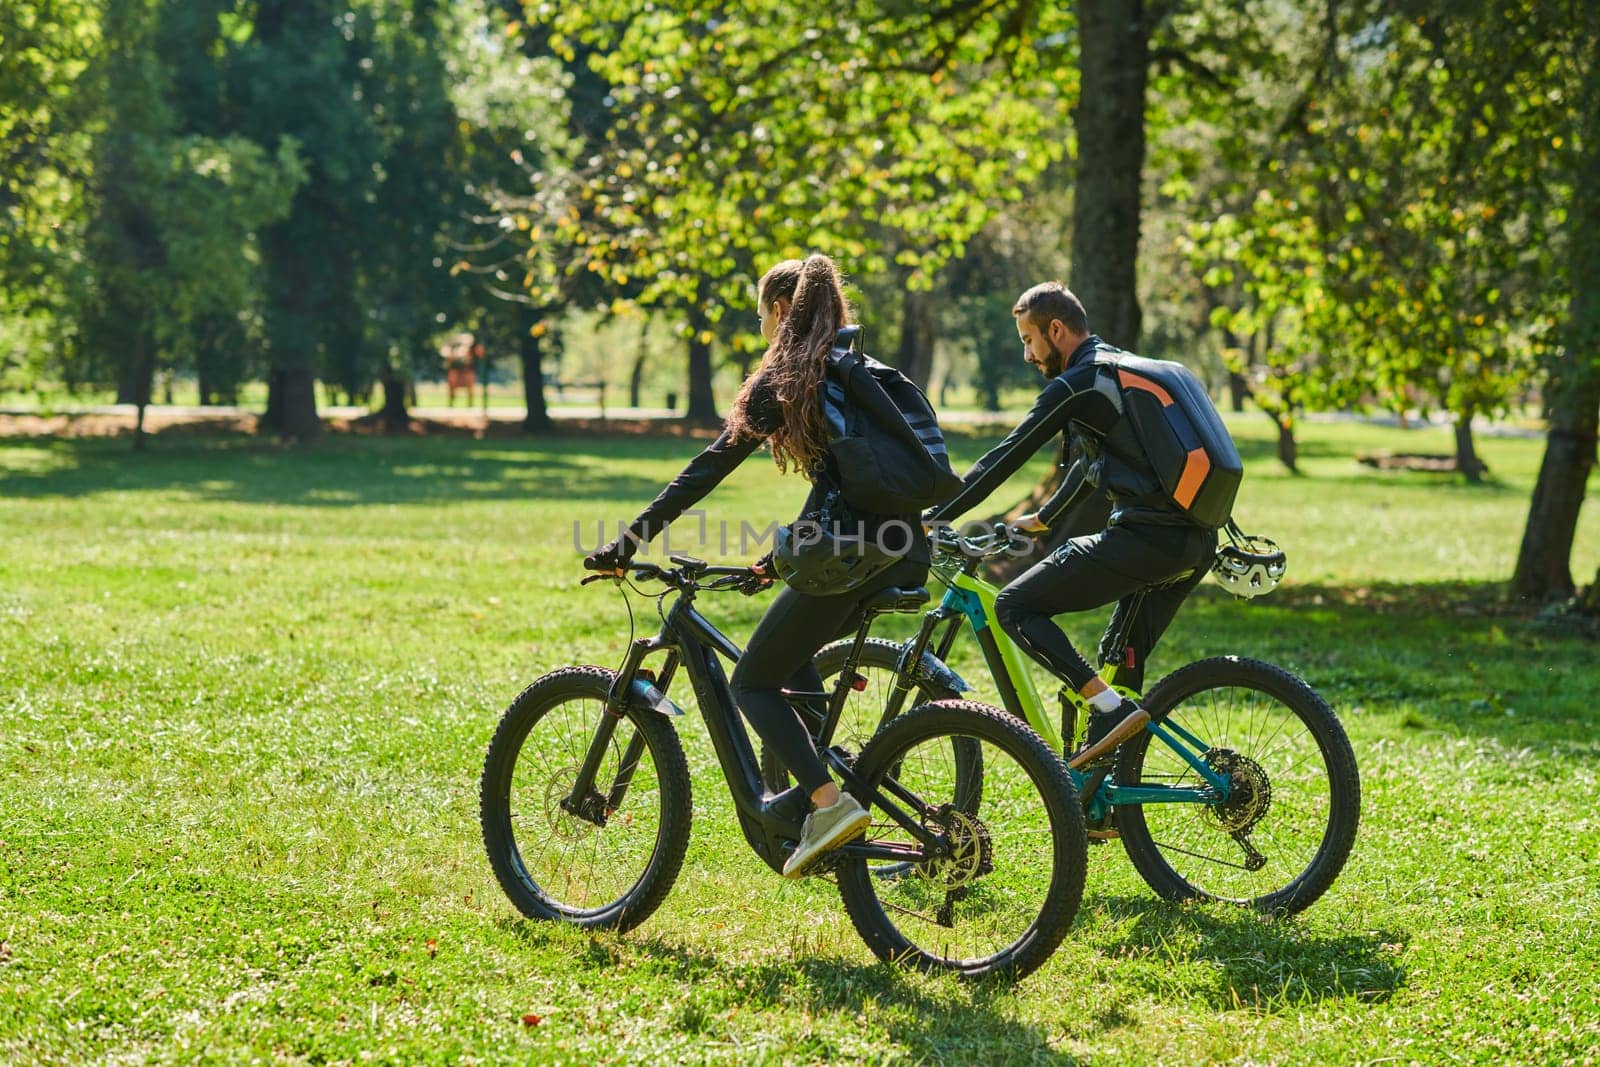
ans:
(814, 561)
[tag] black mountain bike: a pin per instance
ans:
(974, 862)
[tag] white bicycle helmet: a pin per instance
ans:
(1249, 565)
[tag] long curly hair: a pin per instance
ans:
(793, 366)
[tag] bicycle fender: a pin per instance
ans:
(931, 668)
(646, 697)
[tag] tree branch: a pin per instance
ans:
(1179, 58)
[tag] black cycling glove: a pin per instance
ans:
(613, 556)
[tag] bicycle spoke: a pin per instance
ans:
(1282, 804)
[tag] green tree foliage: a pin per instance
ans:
(746, 135)
(169, 241)
(1401, 241)
(357, 275)
(512, 100)
(46, 45)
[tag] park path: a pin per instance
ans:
(97, 419)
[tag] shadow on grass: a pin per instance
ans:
(968, 1026)
(347, 471)
(1248, 961)
(1453, 657)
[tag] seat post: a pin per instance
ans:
(867, 618)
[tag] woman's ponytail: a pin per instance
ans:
(794, 366)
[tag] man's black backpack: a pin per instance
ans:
(883, 435)
(1189, 448)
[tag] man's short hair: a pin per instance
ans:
(1052, 300)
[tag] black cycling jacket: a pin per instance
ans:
(721, 457)
(1085, 403)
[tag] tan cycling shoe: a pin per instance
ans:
(826, 829)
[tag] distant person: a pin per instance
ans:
(1149, 538)
(459, 371)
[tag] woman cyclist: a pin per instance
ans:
(802, 308)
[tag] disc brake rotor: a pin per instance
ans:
(563, 823)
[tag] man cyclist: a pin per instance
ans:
(1148, 540)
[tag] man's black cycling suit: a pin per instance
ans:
(1148, 540)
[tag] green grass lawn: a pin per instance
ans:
(246, 693)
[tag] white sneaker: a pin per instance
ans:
(826, 829)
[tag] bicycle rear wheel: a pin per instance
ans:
(864, 708)
(608, 859)
(1005, 897)
(1288, 827)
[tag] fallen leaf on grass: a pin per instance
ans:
(433, 947)
(532, 1020)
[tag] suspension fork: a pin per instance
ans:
(635, 750)
(911, 656)
(585, 800)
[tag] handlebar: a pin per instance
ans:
(685, 576)
(997, 542)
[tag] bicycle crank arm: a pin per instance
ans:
(883, 851)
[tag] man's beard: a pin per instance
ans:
(1055, 362)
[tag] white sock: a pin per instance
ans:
(1107, 699)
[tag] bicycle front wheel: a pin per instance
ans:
(1002, 898)
(1283, 835)
(604, 859)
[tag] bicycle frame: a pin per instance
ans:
(970, 599)
(769, 822)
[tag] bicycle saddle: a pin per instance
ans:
(896, 599)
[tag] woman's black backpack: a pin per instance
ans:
(883, 435)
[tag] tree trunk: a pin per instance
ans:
(1113, 70)
(142, 373)
(537, 420)
(918, 325)
(1238, 389)
(1288, 449)
(1113, 59)
(292, 404)
(642, 353)
(702, 402)
(1590, 604)
(396, 419)
(1467, 461)
(1544, 563)
(1572, 395)
(134, 378)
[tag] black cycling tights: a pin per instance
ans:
(779, 656)
(1088, 572)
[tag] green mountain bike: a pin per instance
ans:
(974, 862)
(1242, 788)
